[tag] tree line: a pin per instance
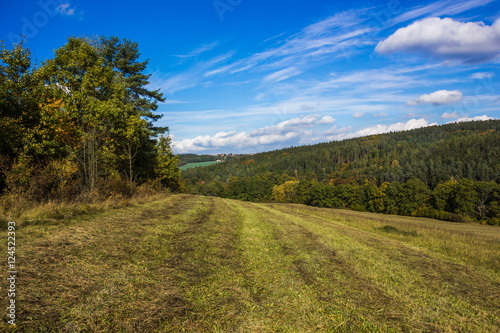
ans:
(449, 172)
(82, 122)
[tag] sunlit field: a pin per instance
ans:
(184, 263)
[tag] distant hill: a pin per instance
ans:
(432, 155)
(195, 158)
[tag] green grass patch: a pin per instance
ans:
(198, 164)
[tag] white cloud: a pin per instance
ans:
(358, 114)
(282, 75)
(330, 37)
(326, 120)
(188, 79)
(477, 118)
(381, 114)
(231, 140)
(65, 9)
(439, 97)
(439, 8)
(465, 41)
(294, 124)
(199, 50)
(173, 101)
(482, 75)
(452, 115)
(298, 129)
(379, 129)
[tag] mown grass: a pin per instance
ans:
(197, 164)
(183, 263)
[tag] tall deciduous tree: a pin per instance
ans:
(166, 168)
(92, 96)
(19, 110)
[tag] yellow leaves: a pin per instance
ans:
(286, 191)
(249, 162)
(65, 168)
(51, 105)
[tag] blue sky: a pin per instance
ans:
(245, 76)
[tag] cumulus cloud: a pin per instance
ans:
(439, 97)
(326, 120)
(464, 41)
(477, 118)
(296, 128)
(379, 129)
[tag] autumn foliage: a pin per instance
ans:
(81, 124)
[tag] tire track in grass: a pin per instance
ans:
(299, 285)
(103, 274)
(209, 272)
(277, 298)
(455, 291)
(447, 240)
(337, 287)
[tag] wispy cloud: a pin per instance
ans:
(482, 75)
(439, 8)
(66, 9)
(196, 52)
(330, 36)
(381, 114)
(173, 101)
(188, 79)
(282, 75)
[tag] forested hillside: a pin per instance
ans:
(450, 172)
(81, 123)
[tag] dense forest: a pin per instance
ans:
(449, 172)
(81, 123)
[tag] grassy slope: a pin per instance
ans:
(197, 164)
(202, 264)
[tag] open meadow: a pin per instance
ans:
(186, 263)
(197, 164)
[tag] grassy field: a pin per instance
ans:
(184, 263)
(197, 164)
